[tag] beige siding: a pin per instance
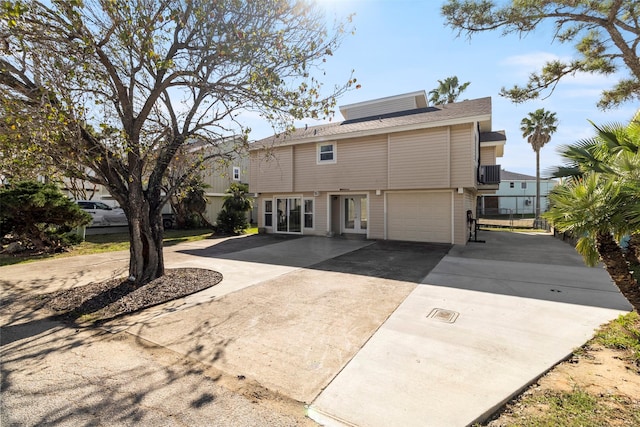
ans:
(361, 165)
(462, 203)
(419, 216)
(462, 156)
(214, 205)
(419, 159)
(376, 216)
(487, 155)
(272, 173)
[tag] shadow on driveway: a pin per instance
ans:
(403, 261)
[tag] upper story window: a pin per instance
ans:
(236, 173)
(326, 152)
(523, 185)
(512, 185)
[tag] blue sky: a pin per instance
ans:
(402, 46)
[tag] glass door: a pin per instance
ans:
(289, 215)
(355, 214)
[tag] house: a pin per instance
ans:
(216, 175)
(516, 195)
(394, 169)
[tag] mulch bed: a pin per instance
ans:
(97, 302)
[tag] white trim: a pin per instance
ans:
(275, 204)
(334, 153)
(385, 99)
(367, 194)
(342, 213)
(313, 213)
(264, 212)
(233, 175)
(453, 216)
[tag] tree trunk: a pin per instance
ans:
(146, 260)
(618, 269)
(634, 249)
(537, 219)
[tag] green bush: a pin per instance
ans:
(39, 216)
(232, 219)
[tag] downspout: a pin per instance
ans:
(478, 171)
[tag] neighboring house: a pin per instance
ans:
(216, 175)
(394, 169)
(516, 195)
(218, 178)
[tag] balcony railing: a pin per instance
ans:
(489, 174)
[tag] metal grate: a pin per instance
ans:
(443, 315)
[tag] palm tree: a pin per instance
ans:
(614, 152)
(538, 128)
(599, 202)
(593, 208)
(447, 91)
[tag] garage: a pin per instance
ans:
(419, 217)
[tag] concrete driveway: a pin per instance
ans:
(366, 333)
(486, 322)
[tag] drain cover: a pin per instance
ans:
(443, 315)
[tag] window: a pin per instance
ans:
(308, 213)
(512, 185)
(326, 152)
(268, 213)
(523, 185)
(236, 173)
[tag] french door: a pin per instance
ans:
(355, 218)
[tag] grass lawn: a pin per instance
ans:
(98, 243)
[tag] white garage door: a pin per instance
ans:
(419, 217)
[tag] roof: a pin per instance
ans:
(389, 104)
(420, 118)
(515, 176)
(493, 136)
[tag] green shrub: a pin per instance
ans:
(232, 219)
(39, 216)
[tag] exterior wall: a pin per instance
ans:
(419, 159)
(423, 162)
(463, 157)
(462, 203)
(214, 205)
(361, 164)
(376, 216)
(273, 173)
(488, 156)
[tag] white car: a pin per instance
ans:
(102, 213)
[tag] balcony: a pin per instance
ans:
(488, 177)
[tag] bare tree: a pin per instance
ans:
(116, 87)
